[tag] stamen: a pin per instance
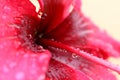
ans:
(86, 55)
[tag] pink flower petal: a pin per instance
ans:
(61, 71)
(20, 59)
(17, 63)
(9, 10)
(54, 13)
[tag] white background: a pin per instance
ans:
(105, 14)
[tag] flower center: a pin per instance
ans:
(28, 32)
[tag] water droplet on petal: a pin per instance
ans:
(52, 39)
(5, 69)
(51, 79)
(19, 76)
(74, 55)
(40, 14)
(45, 14)
(12, 64)
(41, 77)
(40, 36)
(30, 36)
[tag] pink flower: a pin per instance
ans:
(56, 43)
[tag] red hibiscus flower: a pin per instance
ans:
(56, 43)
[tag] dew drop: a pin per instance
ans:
(40, 36)
(30, 36)
(52, 39)
(26, 56)
(7, 9)
(41, 77)
(45, 14)
(50, 79)
(20, 76)
(12, 64)
(5, 69)
(40, 48)
(40, 14)
(71, 70)
(92, 54)
(77, 49)
(64, 51)
(74, 55)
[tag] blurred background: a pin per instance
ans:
(105, 14)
